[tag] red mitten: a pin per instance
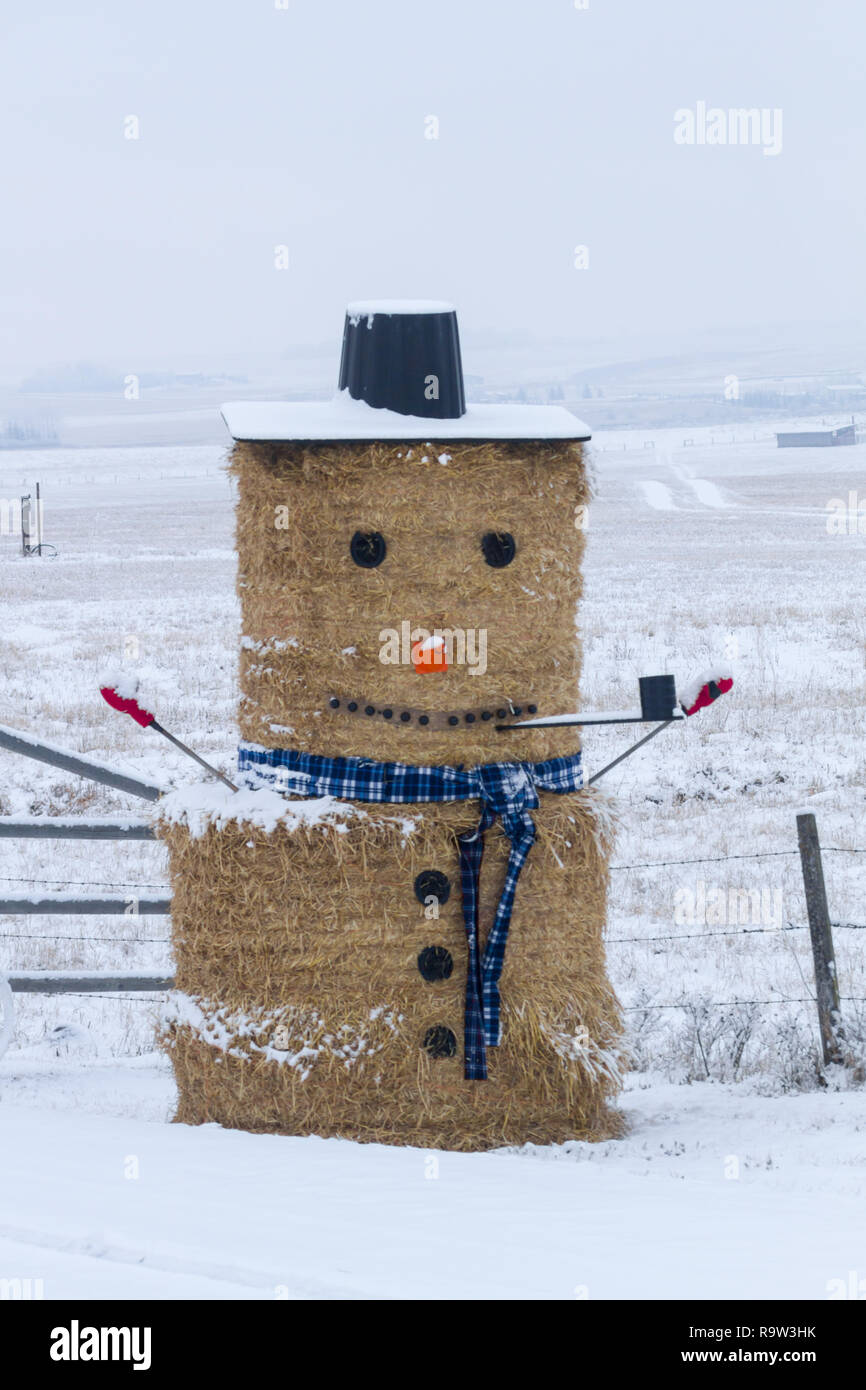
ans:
(708, 692)
(127, 705)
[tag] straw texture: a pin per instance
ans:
(313, 619)
(304, 1010)
(302, 1006)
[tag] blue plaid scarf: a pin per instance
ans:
(507, 790)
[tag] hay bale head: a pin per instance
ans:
(349, 554)
(406, 583)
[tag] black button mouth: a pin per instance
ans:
(441, 719)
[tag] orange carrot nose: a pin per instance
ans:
(429, 655)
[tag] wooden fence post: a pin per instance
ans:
(826, 979)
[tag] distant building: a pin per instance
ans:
(817, 439)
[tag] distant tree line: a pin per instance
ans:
(805, 403)
(17, 433)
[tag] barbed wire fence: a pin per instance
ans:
(738, 932)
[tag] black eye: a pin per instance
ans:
(368, 549)
(499, 548)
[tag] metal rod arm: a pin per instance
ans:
(190, 754)
(628, 752)
(578, 723)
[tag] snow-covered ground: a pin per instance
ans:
(746, 1184)
(716, 1194)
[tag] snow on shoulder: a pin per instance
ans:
(205, 804)
(343, 418)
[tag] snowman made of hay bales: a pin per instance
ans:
(393, 932)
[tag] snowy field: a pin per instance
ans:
(744, 1170)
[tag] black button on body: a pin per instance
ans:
(369, 709)
(368, 549)
(452, 719)
(430, 883)
(501, 713)
(499, 548)
(470, 719)
(485, 714)
(334, 703)
(423, 719)
(404, 717)
(387, 714)
(352, 705)
(532, 709)
(440, 1042)
(435, 963)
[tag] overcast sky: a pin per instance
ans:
(306, 127)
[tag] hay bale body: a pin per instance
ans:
(302, 1008)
